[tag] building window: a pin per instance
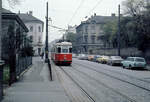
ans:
(31, 38)
(39, 29)
(39, 39)
(86, 29)
(31, 28)
(86, 39)
(92, 27)
(93, 39)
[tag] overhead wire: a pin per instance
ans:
(97, 4)
(81, 3)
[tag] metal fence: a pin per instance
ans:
(22, 64)
(1, 83)
(1, 79)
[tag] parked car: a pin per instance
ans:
(74, 55)
(134, 62)
(95, 58)
(114, 60)
(82, 56)
(103, 59)
(90, 57)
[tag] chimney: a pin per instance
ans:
(30, 13)
(19, 12)
(113, 15)
(94, 14)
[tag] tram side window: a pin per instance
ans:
(59, 50)
(70, 50)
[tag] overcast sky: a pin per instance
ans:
(62, 11)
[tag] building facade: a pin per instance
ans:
(35, 33)
(90, 34)
(70, 29)
(14, 37)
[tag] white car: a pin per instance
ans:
(114, 60)
(134, 62)
(82, 56)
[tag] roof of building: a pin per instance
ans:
(5, 11)
(6, 14)
(102, 19)
(29, 18)
(98, 20)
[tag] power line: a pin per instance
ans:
(81, 3)
(98, 2)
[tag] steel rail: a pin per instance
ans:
(124, 75)
(86, 93)
(105, 85)
(106, 74)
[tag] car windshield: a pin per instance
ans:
(116, 57)
(139, 60)
(105, 57)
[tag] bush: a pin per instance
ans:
(27, 51)
(6, 74)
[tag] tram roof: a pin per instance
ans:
(63, 43)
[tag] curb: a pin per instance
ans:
(18, 77)
(148, 68)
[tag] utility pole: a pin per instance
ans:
(1, 70)
(0, 26)
(1, 62)
(46, 42)
(118, 30)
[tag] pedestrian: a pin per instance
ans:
(42, 55)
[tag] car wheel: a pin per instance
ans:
(111, 64)
(130, 67)
(123, 66)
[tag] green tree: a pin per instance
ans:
(72, 38)
(139, 10)
(110, 34)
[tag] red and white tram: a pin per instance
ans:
(61, 53)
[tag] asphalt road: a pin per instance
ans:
(83, 81)
(104, 83)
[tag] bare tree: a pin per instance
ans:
(139, 11)
(134, 7)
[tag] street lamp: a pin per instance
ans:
(46, 42)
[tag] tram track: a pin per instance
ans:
(78, 85)
(124, 74)
(106, 74)
(105, 85)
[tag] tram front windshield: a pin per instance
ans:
(64, 50)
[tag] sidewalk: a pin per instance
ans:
(148, 67)
(35, 86)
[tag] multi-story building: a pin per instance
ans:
(35, 33)
(71, 29)
(14, 35)
(90, 33)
